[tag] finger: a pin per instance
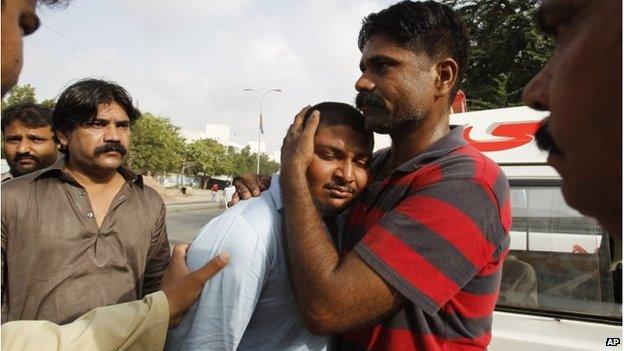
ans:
(233, 200)
(179, 252)
(251, 183)
(312, 124)
(264, 181)
(242, 190)
(298, 123)
(201, 276)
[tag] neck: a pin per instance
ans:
(88, 176)
(410, 142)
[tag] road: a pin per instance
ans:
(183, 222)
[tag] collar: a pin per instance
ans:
(275, 191)
(56, 171)
(443, 146)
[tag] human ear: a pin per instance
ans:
(447, 71)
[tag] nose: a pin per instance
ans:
(24, 146)
(535, 94)
(345, 172)
(364, 83)
(112, 133)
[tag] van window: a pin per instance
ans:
(560, 262)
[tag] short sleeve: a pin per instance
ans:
(435, 241)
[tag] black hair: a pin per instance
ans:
(32, 115)
(79, 102)
(340, 114)
(421, 26)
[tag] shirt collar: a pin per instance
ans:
(56, 170)
(451, 141)
(275, 191)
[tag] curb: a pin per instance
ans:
(194, 204)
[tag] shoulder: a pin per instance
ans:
(14, 190)
(247, 231)
(149, 199)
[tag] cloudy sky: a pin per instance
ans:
(190, 60)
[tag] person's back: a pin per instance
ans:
(250, 306)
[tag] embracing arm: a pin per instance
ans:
(332, 294)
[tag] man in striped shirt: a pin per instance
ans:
(420, 265)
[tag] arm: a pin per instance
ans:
(332, 295)
(137, 325)
(220, 317)
(132, 325)
(158, 255)
(388, 267)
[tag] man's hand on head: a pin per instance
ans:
(183, 287)
(298, 145)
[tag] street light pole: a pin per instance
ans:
(261, 96)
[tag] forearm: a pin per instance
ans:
(130, 326)
(312, 257)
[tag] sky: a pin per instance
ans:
(190, 60)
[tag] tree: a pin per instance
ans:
(20, 94)
(245, 162)
(49, 103)
(208, 158)
(157, 145)
(506, 50)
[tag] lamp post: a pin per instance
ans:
(260, 131)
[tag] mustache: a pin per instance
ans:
(544, 139)
(342, 187)
(110, 147)
(365, 98)
(24, 155)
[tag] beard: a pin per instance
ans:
(16, 170)
(379, 119)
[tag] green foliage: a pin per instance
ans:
(49, 103)
(246, 162)
(506, 50)
(209, 157)
(20, 94)
(156, 145)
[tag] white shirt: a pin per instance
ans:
(249, 305)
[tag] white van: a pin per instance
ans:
(558, 290)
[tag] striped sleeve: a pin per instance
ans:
(435, 241)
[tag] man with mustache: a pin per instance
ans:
(29, 141)
(581, 87)
(250, 306)
(421, 264)
(85, 232)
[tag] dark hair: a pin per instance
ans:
(32, 115)
(79, 102)
(421, 26)
(340, 114)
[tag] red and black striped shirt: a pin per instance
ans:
(436, 230)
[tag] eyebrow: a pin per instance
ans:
(378, 59)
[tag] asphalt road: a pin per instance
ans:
(183, 222)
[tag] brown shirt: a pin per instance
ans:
(57, 263)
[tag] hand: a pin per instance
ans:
(298, 145)
(183, 287)
(249, 185)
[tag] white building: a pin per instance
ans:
(218, 132)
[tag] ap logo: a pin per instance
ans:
(613, 342)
